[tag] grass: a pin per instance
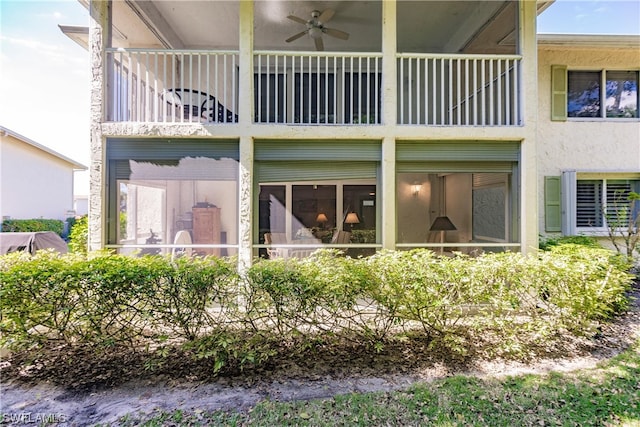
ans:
(608, 394)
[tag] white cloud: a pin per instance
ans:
(44, 50)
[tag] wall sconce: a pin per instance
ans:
(415, 189)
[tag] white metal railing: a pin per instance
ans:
(147, 85)
(459, 90)
(317, 88)
(312, 88)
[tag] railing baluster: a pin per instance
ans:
(458, 90)
(499, 94)
(450, 100)
(410, 90)
(491, 98)
(507, 94)
(401, 91)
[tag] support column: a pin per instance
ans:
(529, 146)
(99, 40)
(389, 109)
(245, 114)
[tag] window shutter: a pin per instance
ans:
(552, 204)
(558, 92)
(589, 203)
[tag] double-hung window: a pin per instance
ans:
(605, 94)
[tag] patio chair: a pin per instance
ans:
(199, 106)
(183, 237)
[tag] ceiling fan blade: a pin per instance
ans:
(296, 37)
(326, 15)
(319, 44)
(336, 33)
(298, 20)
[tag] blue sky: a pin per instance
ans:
(44, 76)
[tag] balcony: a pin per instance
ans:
(313, 88)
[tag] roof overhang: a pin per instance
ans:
(8, 132)
(589, 40)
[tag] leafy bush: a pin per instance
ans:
(234, 321)
(79, 236)
(546, 243)
(32, 225)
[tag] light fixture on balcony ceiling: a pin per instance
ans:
(315, 28)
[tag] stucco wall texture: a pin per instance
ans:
(583, 144)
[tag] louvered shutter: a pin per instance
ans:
(559, 92)
(552, 204)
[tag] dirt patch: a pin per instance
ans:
(110, 386)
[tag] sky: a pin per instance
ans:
(44, 76)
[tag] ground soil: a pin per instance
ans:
(106, 388)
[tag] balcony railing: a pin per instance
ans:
(317, 88)
(172, 86)
(313, 88)
(459, 90)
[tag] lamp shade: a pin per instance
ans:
(352, 218)
(442, 223)
(321, 218)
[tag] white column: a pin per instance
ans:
(389, 108)
(99, 40)
(245, 114)
(529, 103)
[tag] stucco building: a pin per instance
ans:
(588, 129)
(238, 121)
(35, 181)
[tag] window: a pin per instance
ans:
(587, 203)
(158, 191)
(310, 195)
(604, 203)
(594, 93)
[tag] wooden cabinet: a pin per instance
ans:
(206, 229)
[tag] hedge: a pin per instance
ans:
(205, 306)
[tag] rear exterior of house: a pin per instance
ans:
(35, 181)
(588, 131)
(205, 119)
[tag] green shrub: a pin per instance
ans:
(580, 284)
(196, 294)
(236, 321)
(32, 225)
(546, 243)
(79, 236)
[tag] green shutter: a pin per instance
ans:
(559, 92)
(552, 204)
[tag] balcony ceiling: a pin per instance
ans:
(470, 26)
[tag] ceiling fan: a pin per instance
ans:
(315, 28)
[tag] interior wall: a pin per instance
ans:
(458, 188)
(414, 215)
